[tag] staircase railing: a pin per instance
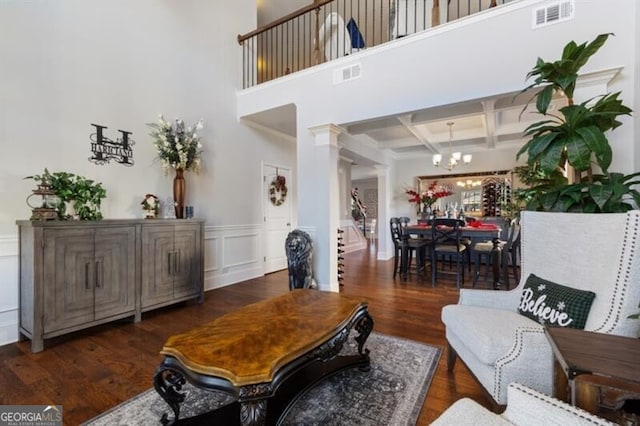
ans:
(329, 29)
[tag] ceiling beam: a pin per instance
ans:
(373, 125)
(406, 121)
(489, 118)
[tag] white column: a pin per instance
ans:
(385, 195)
(327, 201)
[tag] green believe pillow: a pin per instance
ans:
(555, 305)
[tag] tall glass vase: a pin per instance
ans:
(179, 188)
(427, 212)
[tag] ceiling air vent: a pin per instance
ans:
(553, 13)
(346, 73)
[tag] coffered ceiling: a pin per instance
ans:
(479, 125)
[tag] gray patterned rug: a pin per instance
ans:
(391, 393)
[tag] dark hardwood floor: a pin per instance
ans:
(90, 371)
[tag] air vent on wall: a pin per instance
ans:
(346, 73)
(553, 13)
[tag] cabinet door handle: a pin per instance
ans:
(169, 262)
(98, 273)
(86, 275)
(177, 262)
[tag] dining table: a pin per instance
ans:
(475, 232)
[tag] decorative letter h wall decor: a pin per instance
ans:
(104, 149)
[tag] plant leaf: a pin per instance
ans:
(591, 49)
(551, 158)
(598, 144)
(578, 153)
(544, 98)
(600, 194)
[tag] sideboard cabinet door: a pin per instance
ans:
(75, 275)
(89, 275)
(115, 267)
(171, 263)
(187, 277)
(157, 261)
(68, 271)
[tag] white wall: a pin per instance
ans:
(472, 58)
(69, 63)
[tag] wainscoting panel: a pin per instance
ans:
(232, 254)
(9, 289)
(352, 237)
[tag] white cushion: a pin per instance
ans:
(486, 332)
(527, 407)
(468, 412)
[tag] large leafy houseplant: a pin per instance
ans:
(575, 140)
(84, 194)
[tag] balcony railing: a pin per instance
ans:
(329, 29)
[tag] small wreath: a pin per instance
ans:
(278, 190)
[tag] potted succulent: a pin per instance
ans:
(575, 139)
(83, 195)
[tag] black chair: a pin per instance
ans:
(446, 240)
(404, 249)
(510, 253)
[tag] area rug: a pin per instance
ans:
(391, 393)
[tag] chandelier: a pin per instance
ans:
(454, 157)
(468, 183)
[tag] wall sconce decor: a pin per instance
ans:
(104, 149)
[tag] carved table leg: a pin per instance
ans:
(253, 404)
(253, 413)
(168, 383)
(364, 327)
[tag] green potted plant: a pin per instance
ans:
(85, 195)
(575, 139)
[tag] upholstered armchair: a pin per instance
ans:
(595, 252)
(526, 408)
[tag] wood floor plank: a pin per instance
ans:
(90, 371)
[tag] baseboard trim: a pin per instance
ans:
(8, 327)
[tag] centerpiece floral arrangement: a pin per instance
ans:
(178, 147)
(428, 197)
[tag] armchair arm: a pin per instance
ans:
(507, 300)
(527, 406)
(529, 362)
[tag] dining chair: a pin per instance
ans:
(446, 240)
(404, 249)
(510, 251)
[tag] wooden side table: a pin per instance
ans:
(599, 371)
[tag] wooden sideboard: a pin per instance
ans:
(77, 274)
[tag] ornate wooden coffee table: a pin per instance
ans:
(264, 355)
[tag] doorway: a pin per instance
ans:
(277, 207)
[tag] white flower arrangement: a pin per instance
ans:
(179, 148)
